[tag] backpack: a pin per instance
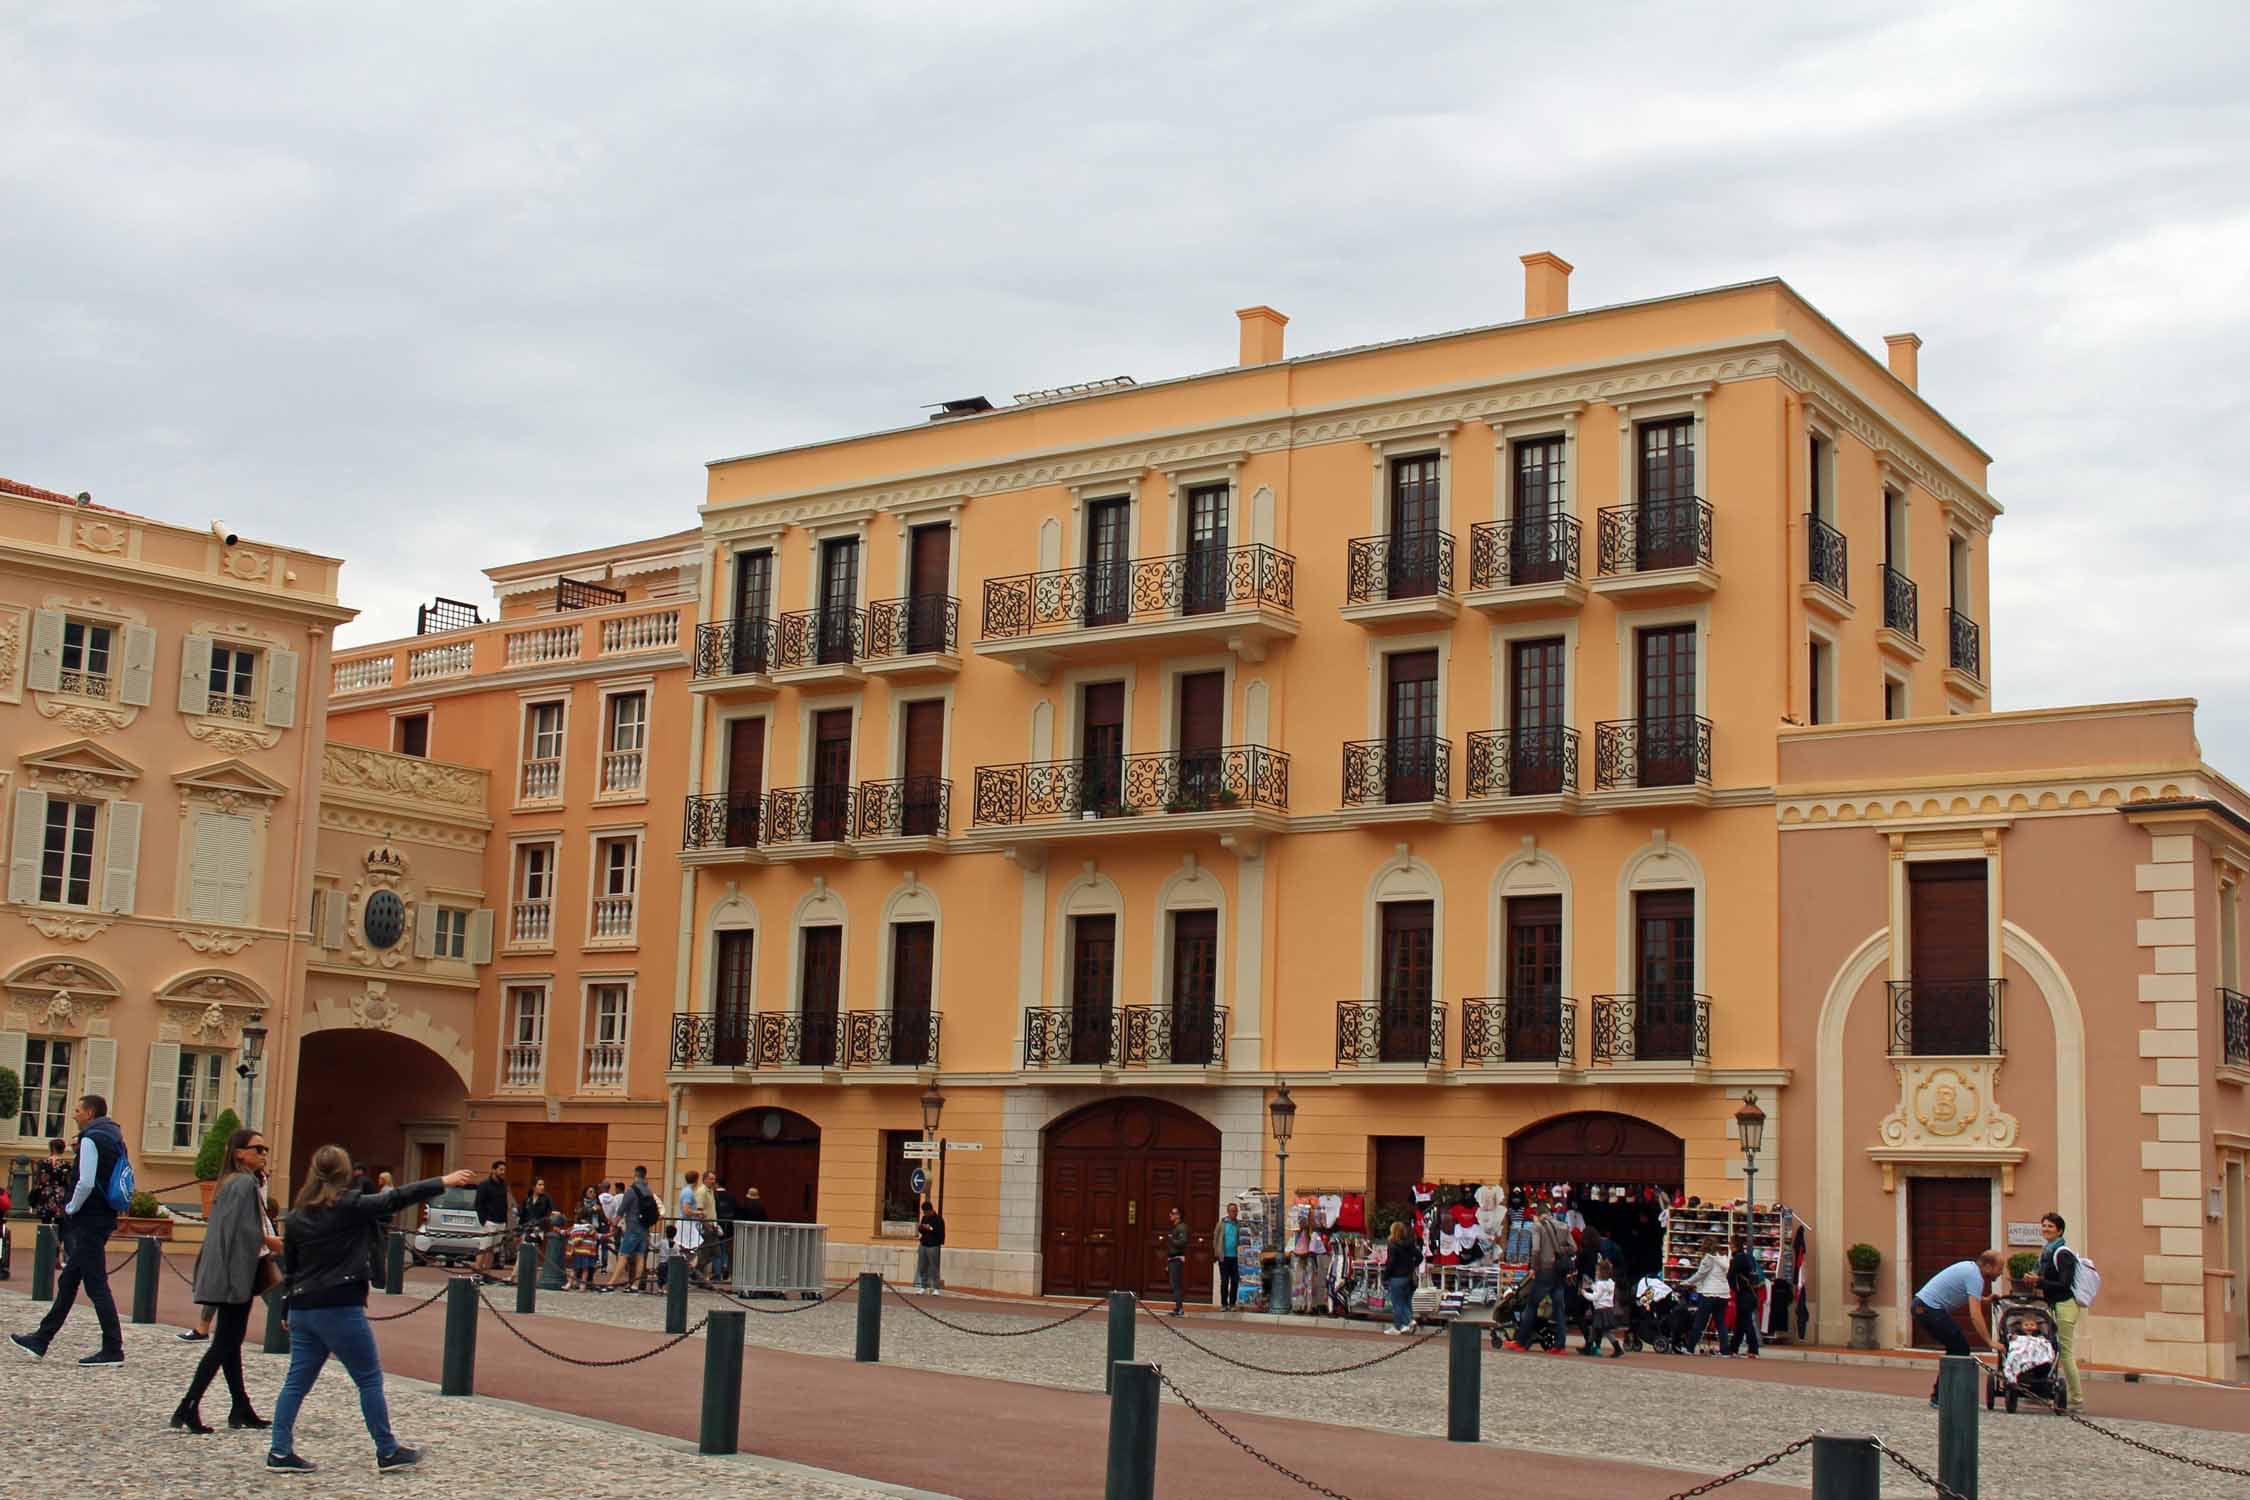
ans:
(648, 1212)
(119, 1190)
(2085, 1283)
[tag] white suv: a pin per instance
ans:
(450, 1231)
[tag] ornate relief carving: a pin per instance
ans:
(357, 769)
(233, 738)
(373, 1006)
(1978, 802)
(100, 536)
(59, 995)
(91, 719)
(241, 629)
(1948, 1111)
(11, 654)
(65, 929)
(386, 871)
(215, 940)
(246, 565)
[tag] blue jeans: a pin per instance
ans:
(1401, 1289)
(314, 1334)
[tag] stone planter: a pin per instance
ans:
(134, 1229)
(1863, 1316)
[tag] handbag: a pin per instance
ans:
(267, 1278)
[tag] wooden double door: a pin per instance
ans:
(776, 1151)
(1112, 1174)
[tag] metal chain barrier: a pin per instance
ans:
(124, 1260)
(771, 1312)
(1220, 1428)
(185, 1277)
(592, 1364)
(1244, 1364)
(1745, 1471)
(990, 1333)
(2210, 1464)
(1944, 1492)
(417, 1307)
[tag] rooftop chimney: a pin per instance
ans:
(1546, 285)
(1906, 364)
(1261, 334)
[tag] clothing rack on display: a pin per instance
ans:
(1771, 1234)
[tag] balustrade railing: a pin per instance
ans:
(622, 770)
(524, 1066)
(1827, 555)
(1535, 549)
(1227, 776)
(1390, 1031)
(234, 706)
(532, 922)
(657, 630)
(365, 675)
(1141, 589)
(605, 1065)
(1653, 1026)
(1399, 770)
(1966, 645)
(1402, 565)
(1901, 603)
(531, 648)
(721, 820)
(613, 918)
(542, 780)
(1520, 1029)
(906, 807)
(914, 626)
(452, 659)
(827, 637)
(1673, 751)
(1946, 1017)
(1653, 534)
(736, 648)
(1536, 762)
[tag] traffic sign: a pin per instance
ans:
(964, 1145)
(921, 1150)
(919, 1182)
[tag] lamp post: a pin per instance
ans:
(1750, 1124)
(253, 1052)
(1283, 1112)
(933, 1110)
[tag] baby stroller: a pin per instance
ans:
(2027, 1364)
(1658, 1318)
(1509, 1307)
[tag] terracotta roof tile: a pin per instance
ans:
(33, 492)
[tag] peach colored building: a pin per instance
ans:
(162, 689)
(2011, 964)
(1397, 721)
(557, 956)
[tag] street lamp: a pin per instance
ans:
(253, 1052)
(1283, 1112)
(933, 1110)
(1750, 1124)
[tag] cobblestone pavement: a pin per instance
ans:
(1651, 1409)
(118, 1443)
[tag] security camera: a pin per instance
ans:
(226, 537)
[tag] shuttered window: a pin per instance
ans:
(197, 1103)
(46, 1088)
(66, 870)
(219, 868)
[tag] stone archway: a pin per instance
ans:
(1111, 1173)
(392, 1101)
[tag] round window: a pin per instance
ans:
(384, 920)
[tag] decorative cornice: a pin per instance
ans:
(446, 835)
(1928, 803)
(60, 927)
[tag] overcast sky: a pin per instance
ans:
(437, 287)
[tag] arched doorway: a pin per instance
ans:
(1111, 1174)
(776, 1151)
(1612, 1163)
(393, 1103)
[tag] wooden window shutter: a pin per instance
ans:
(44, 669)
(163, 1098)
(195, 674)
(281, 689)
(333, 910)
(101, 1068)
(219, 868)
(134, 682)
(480, 936)
(29, 847)
(121, 861)
(425, 930)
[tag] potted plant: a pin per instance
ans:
(1226, 796)
(11, 1093)
(1865, 1260)
(142, 1218)
(213, 1156)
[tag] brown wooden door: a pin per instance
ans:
(1204, 589)
(1101, 746)
(732, 999)
(839, 597)
(1112, 1173)
(1202, 719)
(746, 780)
(820, 983)
(1410, 726)
(922, 798)
(1415, 560)
(913, 973)
(1948, 956)
(831, 773)
(1109, 564)
(1664, 1021)
(1537, 543)
(1195, 984)
(1409, 981)
(929, 578)
(1670, 741)
(1668, 518)
(1534, 978)
(565, 1177)
(1536, 739)
(776, 1151)
(1093, 987)
(1948, 1219)
(753, 607)
(1397, 1167)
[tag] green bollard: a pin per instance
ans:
(1959, 1375)
(527, 1278)
(277, 1327)
(721, 1431)
(43, 1264)
(867, 1347)
(675, 1294)
(1464, 1383)
(394, 1269)
(457, 1375)
(1845, 1466)
(552, 1277)
(1132, 1433)
(1122, 1307)
(145, 1267)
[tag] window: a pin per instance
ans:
(900, 1206)
(1408, 980)
(1820, 691)
(913, 962)
(542, 751)
(410, 734)
(1537, 545)
(1205, 589)
(1894, 698)
(66, 872)
(1668, 1019)
(525, 1064)
(46, 1088)
(85, 659)
(1669, 515)
(820, 988)
(233, 671)
(198, 1098)
(533, 920)
(839, 593)
(617, 872)
(452, 933)
(1418, 562)
(1670, 748)
(624, 739)
(1093, 974)
(605, 1032)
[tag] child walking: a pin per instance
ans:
(1601, 1311)
(584, 1248)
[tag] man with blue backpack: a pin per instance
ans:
(103, 1189)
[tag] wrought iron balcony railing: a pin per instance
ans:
(1390, 771)
(1520, 1029)
(1139, 589)
(889, 1039)
(577, 593)
(1653, 1026)
(1155, 1036)
(2234, 1028)
(1538, 549)
(721, 820)
(1946, 1017)
(1069, 1036)
(1827, 556)
(807, 814)
(1675, 751)
(1122, 786)
(914, 626)
(1670, 533)
(1902, 608)
(735, 648)
(909, 806)
(1389, 1031)
(1535, 762)
(832, 636)
(1403, 565)
(1966, 647)
(906, 1038)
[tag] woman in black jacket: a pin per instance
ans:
(235, 1240)
(1401, 1259)
(331, 1244)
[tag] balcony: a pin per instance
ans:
(623, 773)
(1387, 780)
(531, 924)
(1229, 790)
(524, 1066)
(1405, 578)
(736, 657)
(1964, 650)
(1657, 1027)
(1522, 770)
(605, 1067)
(1538, 1031)
(719, 827)
(602, 626)
(366, 674)
(236, 706)
(1374, 1032)
(1946, 1017)
(912, 808)
(1656, 549)
(1901, 632)
(763, 1039)
(913, 638)
(806, 822)
(542, 780)
(1241, 599)
(613, 921)
(2234, 1030)
(1650, 762)
(888, 1039)
(1827, 569)
(1524, 566)
(1129, 1036)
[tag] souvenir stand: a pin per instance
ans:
(1772, 1238)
